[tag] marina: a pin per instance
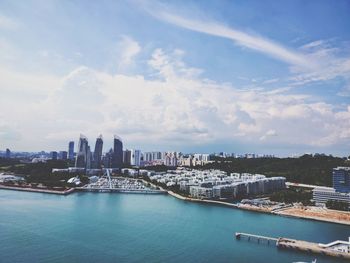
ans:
(110, 184)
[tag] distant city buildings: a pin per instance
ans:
(63, 155)
(117, 159)
(71, 150)
(8, 153)
(340, 191)
(98, 153)
(53, 155)
(83, 155)
(127, 157)
(136, 158)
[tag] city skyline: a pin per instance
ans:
(223, 76)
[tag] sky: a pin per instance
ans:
(238, 76)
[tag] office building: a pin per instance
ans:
(83, 153)
(127, 157)
(53, 155)
(135, 157)
(71, 150)
(98, 152)
(341, 179)
(340, 191)
(63, 155)
(107, 159)
(117, 159)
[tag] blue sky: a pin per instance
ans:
(235, 76)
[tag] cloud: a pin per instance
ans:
(332, 62)
(175, 108)
(171, 65)
(128, 48)
(269, 133)
(317, 61)
(254, 42)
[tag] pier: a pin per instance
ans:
(338, 248)
(257, 238)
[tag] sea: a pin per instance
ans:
(118, 227)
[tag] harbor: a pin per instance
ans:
(110, 184)
(338, 248)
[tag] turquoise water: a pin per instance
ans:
(92, 227)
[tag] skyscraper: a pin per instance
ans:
(117, 152)
(341, 179)
(83, 152)
(135, 157)
(98, 152)
(71, 150)
(127, 157)
(107, 159)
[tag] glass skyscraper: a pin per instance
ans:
(83, 155)
(117, 159)
(71, 150)
(98, 152)
(341, 179)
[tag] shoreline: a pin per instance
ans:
(284, 213)
(37, 190)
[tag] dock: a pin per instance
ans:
(257, 238)
(300, 245)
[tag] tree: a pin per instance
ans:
(337, 205)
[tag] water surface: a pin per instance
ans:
(104, 227)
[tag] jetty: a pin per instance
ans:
(257, 238)
(38, 190)
(339, 249)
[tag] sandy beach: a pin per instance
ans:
(312, 213)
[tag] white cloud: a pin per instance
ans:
(128, 48)
(241, 38)
(269, 133)
(313, 62)
(175, 108)
(331, 61)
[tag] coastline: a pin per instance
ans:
(284, 213)
(292, 212)
(36, 190)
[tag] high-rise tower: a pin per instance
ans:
(71, 150)
(117, 152)
(83, 152)
(98, 152)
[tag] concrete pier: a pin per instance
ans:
(310, 247)
(305, 246)
(257, 238)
